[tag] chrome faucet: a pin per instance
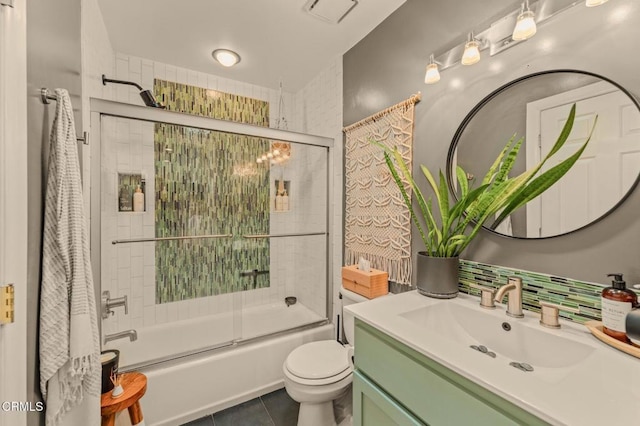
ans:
(131, 334)
(108, 303)
(514, 291)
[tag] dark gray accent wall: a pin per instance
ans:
(53, 61)
(389, 65)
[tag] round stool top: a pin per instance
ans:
(134, 385)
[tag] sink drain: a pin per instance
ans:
(506, 326)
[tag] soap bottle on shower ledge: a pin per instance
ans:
(617, 302)
(285, 202)
(138, 200)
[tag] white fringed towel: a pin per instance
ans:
(69, 342)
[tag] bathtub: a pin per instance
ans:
(182, 387)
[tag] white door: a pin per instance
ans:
(605, 171)
(13, 206)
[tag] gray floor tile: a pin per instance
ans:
(282, 409)
(250, 413)
(203, 421)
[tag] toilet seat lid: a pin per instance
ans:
(318, 360)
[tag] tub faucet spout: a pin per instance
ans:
(514, 291)
(131, 334)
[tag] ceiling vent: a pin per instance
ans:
(329, 10)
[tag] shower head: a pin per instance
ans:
(146, 95)
(149, 99)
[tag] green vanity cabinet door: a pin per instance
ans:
(430, 392)
(373, 407)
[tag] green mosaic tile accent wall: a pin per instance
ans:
(207, 183)
(211, 103)
(536, 286)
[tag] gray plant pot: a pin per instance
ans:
(437, 276)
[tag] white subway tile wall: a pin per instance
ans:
(298, 266)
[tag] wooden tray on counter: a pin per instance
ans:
(595, 327)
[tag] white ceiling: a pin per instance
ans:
(276, 39)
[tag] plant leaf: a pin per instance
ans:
(492, 170)
(463, 182)
(406, 198)
(543, 182)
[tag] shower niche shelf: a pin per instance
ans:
(126, 190)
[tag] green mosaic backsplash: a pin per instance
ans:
(208, 183)
(536, 286)
(211, 103)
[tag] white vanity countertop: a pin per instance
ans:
(601, 389)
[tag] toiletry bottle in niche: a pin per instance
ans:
(138, 200)
(617, 302)
(125, 199)
(285, 201)
(278, 202)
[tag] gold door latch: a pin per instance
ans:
(6, 304)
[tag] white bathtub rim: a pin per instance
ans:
(201, 355)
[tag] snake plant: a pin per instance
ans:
(497, 195)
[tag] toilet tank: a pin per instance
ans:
(348, 298)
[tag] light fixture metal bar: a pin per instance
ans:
(497, 36)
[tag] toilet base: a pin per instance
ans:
(314, 414)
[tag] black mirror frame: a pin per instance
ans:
(456, 138)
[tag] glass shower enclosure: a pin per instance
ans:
(205, 233)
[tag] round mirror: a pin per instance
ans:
(536, 107)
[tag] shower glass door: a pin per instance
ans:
(213, 237)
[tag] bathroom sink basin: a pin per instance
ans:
(520, 340)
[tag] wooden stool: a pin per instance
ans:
(134, 385)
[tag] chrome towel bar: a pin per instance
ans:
(188, 237)
(283, 235)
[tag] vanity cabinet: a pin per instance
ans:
(395, 384)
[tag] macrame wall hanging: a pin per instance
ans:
(377, 221)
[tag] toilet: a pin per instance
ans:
(316, 373)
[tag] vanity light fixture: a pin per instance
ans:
(525, 23)
(471, 53)
(433, 75)
(594, 3)
(504, 33)
(226, 57)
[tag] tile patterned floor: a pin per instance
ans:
(273, 409)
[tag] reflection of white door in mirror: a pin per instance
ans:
(605, 171)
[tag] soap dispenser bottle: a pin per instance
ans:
(617, 302)
(138, 200)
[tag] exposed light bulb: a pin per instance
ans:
(471, 53)
(269, 155)
(525, 24)
(433, 75)
(276, 152)
(258, 160)
(594, 3)
(264, 158)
